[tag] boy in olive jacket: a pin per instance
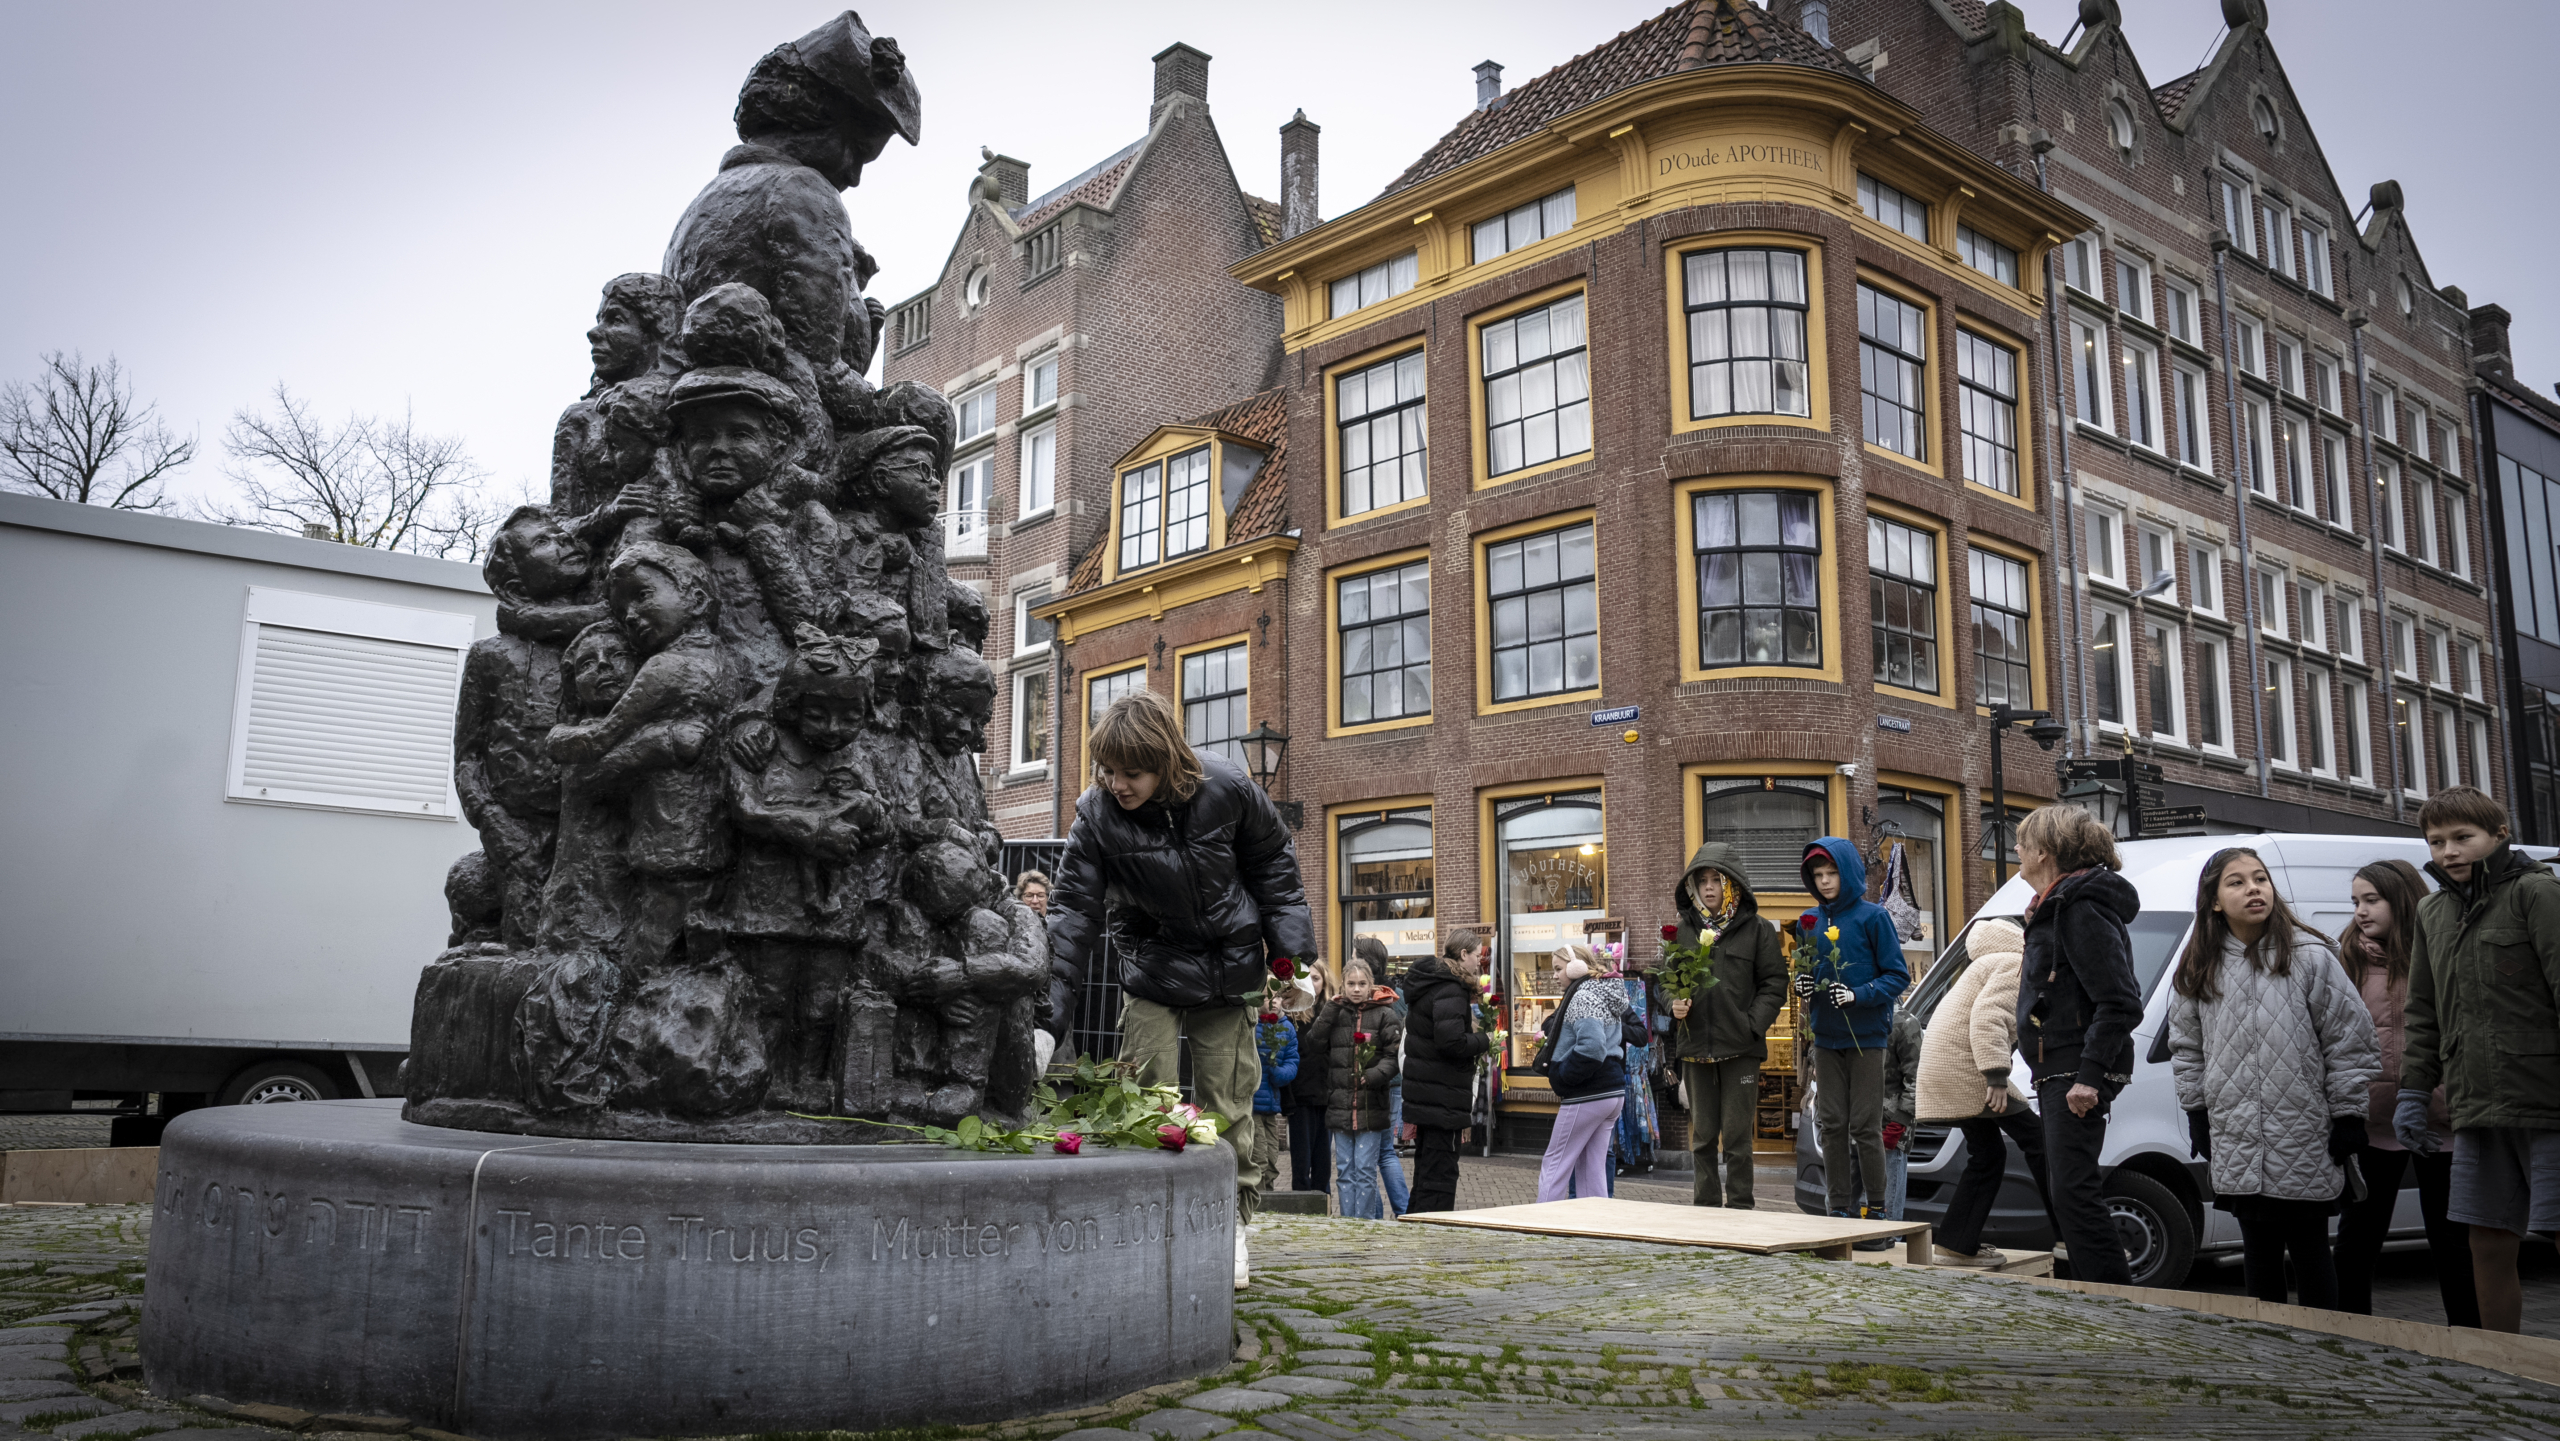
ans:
(2483, 1019)
(1721, 1037)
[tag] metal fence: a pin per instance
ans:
(1095, 1029)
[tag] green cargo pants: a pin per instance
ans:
(1225, 1071)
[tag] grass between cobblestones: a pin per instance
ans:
(1440, 1335)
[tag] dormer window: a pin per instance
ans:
(1175, 493)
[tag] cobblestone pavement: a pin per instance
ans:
(1358, 1329)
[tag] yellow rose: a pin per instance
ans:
(1833, 934)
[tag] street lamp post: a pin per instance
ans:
(2044, 730)
(1264, 750)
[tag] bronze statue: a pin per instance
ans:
(737, 861)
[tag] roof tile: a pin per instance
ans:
(1692, 35)
(1096, 187)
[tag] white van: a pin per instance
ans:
(2159, 1194)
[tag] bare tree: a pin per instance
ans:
(75, 434)
(379, 483)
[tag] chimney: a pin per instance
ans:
(2489, 339)
(1007, 180)
(1488, 85)
(1298, 175)
(1815, 18)
(1181, 72)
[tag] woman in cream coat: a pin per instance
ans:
(1965, 1057)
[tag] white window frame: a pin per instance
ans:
(2315, 258)
(2204, 579)
(2193, 418)
(2106, 521)
(2421, 434)
(2151, 539)
(2333, 479)
(2350, 626)
(2272, 610)
(2142, 395)
(2252, 344)
(1017, 762)
(2324, 382)
(2276, 709)
(1376, 284)
(1033, 494)
(1023, 621)
(327, 616)
(2386, 413)
(2092, 398)
(2133, 286)
(964, 526)
(2311, 600)
(2484, 763)
(1496, 236)
(1032, 371)
(2279, 223)
(2355, 741)
(2118, 657)
(2387, 498)
(971, 406)
(2172, 646)
(2466, 666)
(2457, 533)
(1987, 255)
(2080, 257)
(2258, 449)
(2294, 441)
(2439, 657)
(2422, 496)
(2213, 658)
(2413, 774)
(2321, 686)
(1888, 205)
(2400, 645)
(2238, 220)
(2448, 740)
(2288, 363)
(2180, 322)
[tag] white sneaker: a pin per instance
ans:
(1984, 1258)
(1244, 1267)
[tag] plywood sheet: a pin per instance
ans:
(1759, 1232)
(99, 1175)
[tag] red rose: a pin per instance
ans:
(1271, 1018)
(1809, 922)
(1067, 1144)
(1360, 1037)
(1283, 967)
(1493, 1000)
(1172, 1138)
(1670, 932)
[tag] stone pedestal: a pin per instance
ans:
(333, 1257)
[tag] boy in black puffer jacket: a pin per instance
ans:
(1441, 1046)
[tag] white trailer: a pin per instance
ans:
(226, 807)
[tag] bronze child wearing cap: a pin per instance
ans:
(735, 431)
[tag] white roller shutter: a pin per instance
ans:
(346, 704)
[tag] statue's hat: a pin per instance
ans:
(734, 382)
(872, 73)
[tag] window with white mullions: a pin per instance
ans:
(1537, 387)
(1893, 348)
(1526, 225)
(2002, 659)
(1546, 616)
(1902, 588)
(2090, 397)
(1379, 415)
(1186, 503)
(1987, 255)
(1890, 207)
(1759, 553)
(1382, 281)
(1385, 618)
(1746, 313)
(1987, 391)
(1142, 516)
(1213, 701)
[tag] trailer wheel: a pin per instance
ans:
(265, 1082)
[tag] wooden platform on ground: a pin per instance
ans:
(2026, 1264)
(1762, 1233)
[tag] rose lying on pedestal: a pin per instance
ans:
(1096, 1101)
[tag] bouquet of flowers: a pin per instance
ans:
(1489, 1021)
(1687, 970)
(1104, 1102)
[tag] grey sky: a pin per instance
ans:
(386, 206)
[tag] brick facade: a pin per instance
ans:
(1146, 324)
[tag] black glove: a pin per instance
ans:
(2199, 1136)
(1804, 986)
(2346, 1137)
(1841, 996)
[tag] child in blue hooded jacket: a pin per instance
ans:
(1848, 984)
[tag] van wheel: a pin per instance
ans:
(2159, 1236)
(265, 1082)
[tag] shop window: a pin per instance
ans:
(1907, 873)
(1385, 887)
(1551, 873)
(1768, 820)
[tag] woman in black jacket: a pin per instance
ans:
(2077, 1007)
(1441, 1045)
(1201, 885)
